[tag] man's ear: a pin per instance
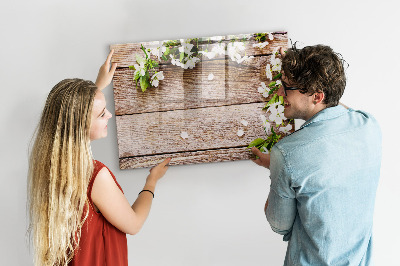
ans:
(318, 97)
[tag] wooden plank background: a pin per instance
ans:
(149, 124)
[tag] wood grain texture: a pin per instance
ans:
(125, 54)
(220, 155)
(190, 88)
(208, 128)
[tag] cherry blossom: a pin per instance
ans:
(233, 50)
(184, 135)
(240, 132)
(140, 68)
(276, 62)
(156, 78)
(276, 113)
(268, 71)
(261, 45)
(266, 124)
(244, 122)
(264, 90)
(285, 129)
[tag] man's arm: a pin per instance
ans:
(280, 208)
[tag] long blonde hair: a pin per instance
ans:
(60, 168)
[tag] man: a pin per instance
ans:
(324, 175)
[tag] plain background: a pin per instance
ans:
(206, 214)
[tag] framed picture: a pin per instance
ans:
(198, 100)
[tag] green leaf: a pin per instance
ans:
(132, 67)
(277, 76)
(272, 84)
(181, 56)
(256, 142)
(265, 146)
(272, 100)
(137, 76)
(269, 146)
(144, 83)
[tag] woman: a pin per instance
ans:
(78, 212)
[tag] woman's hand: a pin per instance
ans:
(106, 74)
(158, 171)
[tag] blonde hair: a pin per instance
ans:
(60, 167)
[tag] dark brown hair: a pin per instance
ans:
(316, 69)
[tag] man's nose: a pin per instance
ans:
(280, 91)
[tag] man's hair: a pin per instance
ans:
(316, 69)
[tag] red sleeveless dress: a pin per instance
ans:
(101, 243)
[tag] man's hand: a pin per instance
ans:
(106, 74)
(263, 160)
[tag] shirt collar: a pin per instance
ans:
(326, 114)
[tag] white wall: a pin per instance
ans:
(208, 214)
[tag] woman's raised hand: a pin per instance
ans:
(106, 73)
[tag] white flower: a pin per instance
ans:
(286, 129)
(277, 111)
(240, 132)
(186, 48)
(266, 124)
(276, 64)
(261, 44)
(176, 62)
(154, 83)
(157, 51)
(276, 118)
(210, 55)
(233, 50)
(184, 135)
(263, 118)
(270, 36)
(140, 69)
(244, 122)
(240, 60)
(191, 63)
(279, 82)
(210, 76)
(219, 49)
(268, 71)
(156, 77)
(264, 90)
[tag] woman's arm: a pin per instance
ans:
(114, 206)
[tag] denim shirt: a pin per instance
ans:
(324, 178)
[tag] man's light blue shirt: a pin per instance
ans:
(323, 183)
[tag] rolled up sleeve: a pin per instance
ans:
(281, 210)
